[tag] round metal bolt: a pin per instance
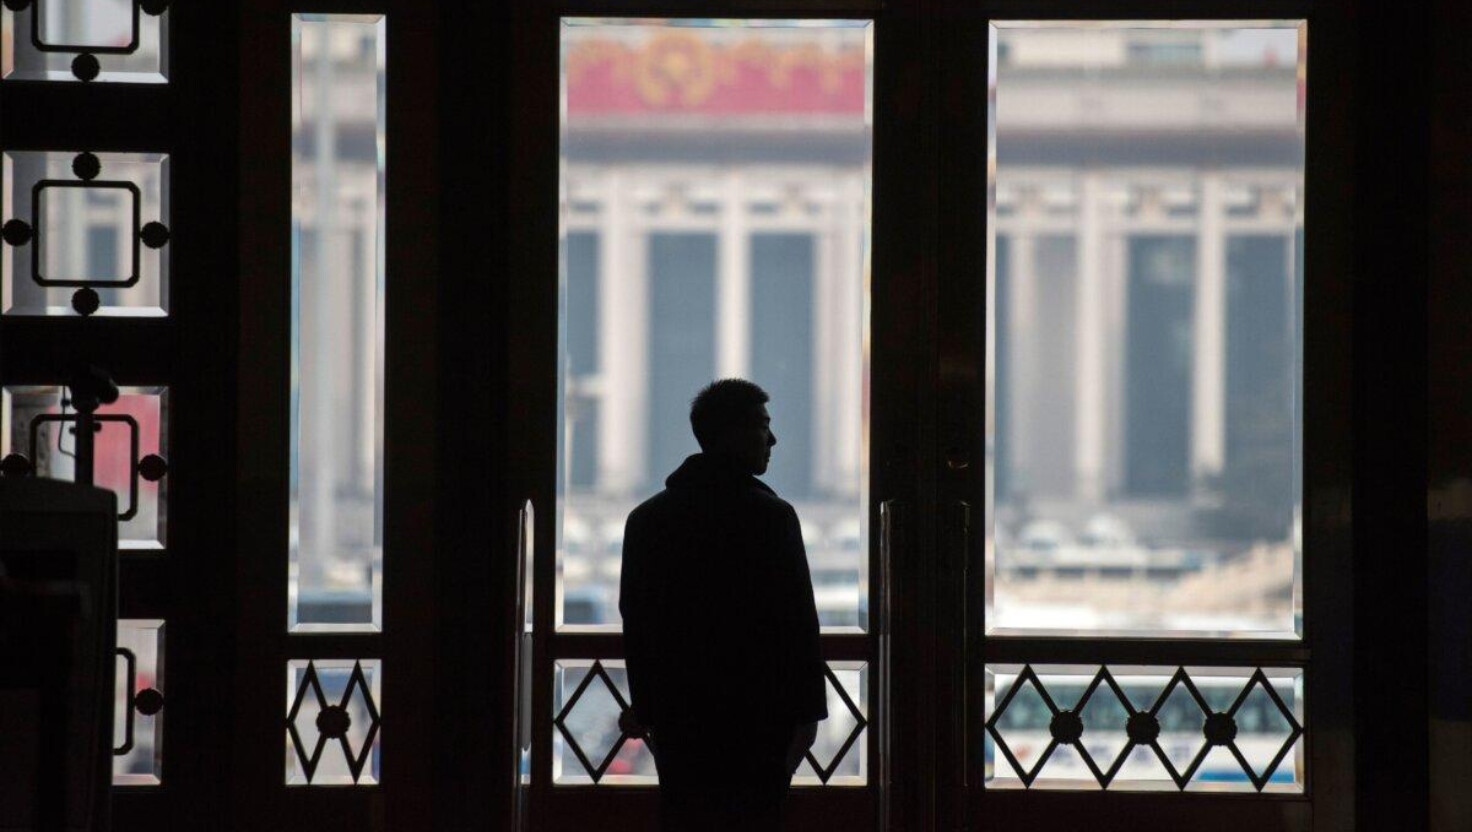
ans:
(148, 701)
(1142, 728)
(1220, 729)
(153, 467)
(85, 67)
(86, 301)
(16, 232)
(15, 465)
(154, 235)
(333, 722)
(86, 165)
(1066, 727)
(154, 7)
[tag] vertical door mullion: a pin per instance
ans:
(902, 274)
(1328, 460)
(257, 794)
(960, 448)
(413, 414)
(532, 352)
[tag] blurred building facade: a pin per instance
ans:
(715, 218)
(1148, 197)
(1145, 328)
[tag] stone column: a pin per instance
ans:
(1208, 377)
(622, 342)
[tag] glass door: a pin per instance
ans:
(713, 222)
(1140, 611)
(1030, 297)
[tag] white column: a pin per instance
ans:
(1116, 300)
(733, 283)
(622, 342)
(1208, 376)
(848, 355)
(827, 327)
(1092, 389)
(1023, 334)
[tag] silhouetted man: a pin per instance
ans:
(720, 629)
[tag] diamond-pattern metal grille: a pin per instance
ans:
(825, 772)
(599, 673)
(1219, 729)
(333, 722)
(595, 771)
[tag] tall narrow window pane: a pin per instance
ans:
(1144, 328)
(337, 322)
(715, 218)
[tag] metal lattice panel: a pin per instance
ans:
(825, 773)
(148, 701)
(151, 467)
(333, 722)
(598, 672)
(596, 771)
(85, 66)
(87, 167)
(1066, 727)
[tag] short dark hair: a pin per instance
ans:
(722, 405)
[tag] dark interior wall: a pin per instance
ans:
(1449, 481)
(478, 507)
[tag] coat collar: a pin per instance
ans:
(707, 471)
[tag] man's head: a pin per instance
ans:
(730, 419)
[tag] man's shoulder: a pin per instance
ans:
(660, 500)
(651, 507)
(760, 502)
(770, 502)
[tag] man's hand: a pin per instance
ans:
(803, 737)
